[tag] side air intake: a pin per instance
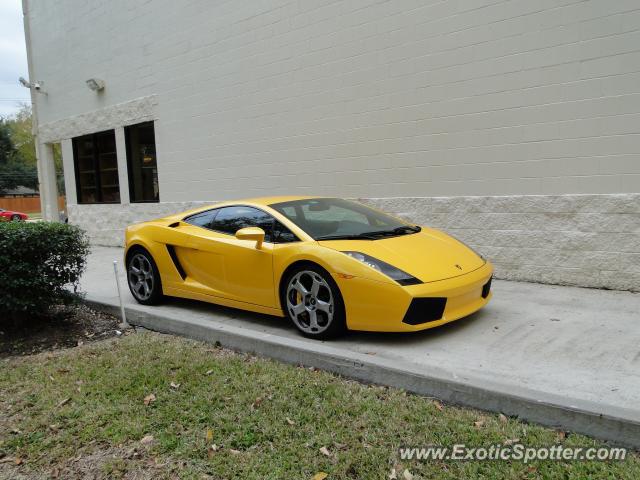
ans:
(176, 262)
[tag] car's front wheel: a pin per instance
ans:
(143, 278)
(16, 218)
(313, 302)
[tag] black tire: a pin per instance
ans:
(16, 218)
(147, 274)
(330, 319)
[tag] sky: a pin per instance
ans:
(13, 57)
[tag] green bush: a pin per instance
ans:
(40, 266)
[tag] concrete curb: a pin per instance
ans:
(616, 425)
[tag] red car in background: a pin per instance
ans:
(6, 215)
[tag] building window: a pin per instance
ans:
(96, 166)
(141, 160)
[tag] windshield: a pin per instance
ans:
(335, 218)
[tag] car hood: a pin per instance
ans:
(429, 255)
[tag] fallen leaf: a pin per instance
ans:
(80, 343)
(149, 399)
(393, 475)
(175, 386)
(209, 435)
(478, 424)
(325, 451)
(511, 441)
(211, 450)
(235, 452)
(503, 418)
(147, 439)
(561, 434)
(407, 475)
(256, 403)
(51, 378)
(63, 402)
(320, 476)
(18, 461)
(437, 404)
(290, 422)
(208, 372)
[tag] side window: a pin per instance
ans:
(231, 219)
(202, 219)
(282, 234)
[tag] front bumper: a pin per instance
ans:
(389, 307)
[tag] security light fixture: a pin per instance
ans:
(36, 85)
(95, 84)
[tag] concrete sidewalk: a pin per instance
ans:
(560, 356)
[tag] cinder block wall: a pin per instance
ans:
(582, 240)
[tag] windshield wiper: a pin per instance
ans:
(352, 236)
(372, 235)
(407, 228)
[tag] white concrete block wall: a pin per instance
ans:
(357, 98)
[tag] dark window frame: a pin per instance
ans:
(217, 209)
(130, 177)
(96, 168)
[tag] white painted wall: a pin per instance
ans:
(359, 98)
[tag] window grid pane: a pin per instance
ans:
(142, 163)
(96, 168)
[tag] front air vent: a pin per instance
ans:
(423, 310)
(176, 262)
(486, 288)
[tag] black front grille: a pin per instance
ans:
(486, 288)
(423, 310)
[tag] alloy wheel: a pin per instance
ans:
(310, 302)
(140, 276)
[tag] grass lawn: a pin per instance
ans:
(153, 406)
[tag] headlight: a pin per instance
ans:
(403, 278)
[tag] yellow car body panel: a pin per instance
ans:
(222, 269)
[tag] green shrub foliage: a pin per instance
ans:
(40, 266)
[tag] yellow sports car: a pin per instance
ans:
(327, 264)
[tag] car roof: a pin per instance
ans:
(276, 199)
(256, 201)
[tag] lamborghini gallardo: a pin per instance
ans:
(328, 264)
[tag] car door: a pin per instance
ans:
(229, 267)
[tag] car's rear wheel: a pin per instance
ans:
(143, 278)
(16, 218)
(313, 302)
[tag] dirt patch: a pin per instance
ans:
(64, 327)
(133, 463)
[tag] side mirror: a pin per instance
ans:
(251, 233)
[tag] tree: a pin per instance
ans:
(21, 161)
(20, 131)
(7, 150)
(17, 152)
